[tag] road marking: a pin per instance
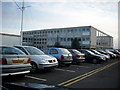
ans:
(81, 66)
(35, 78)
(81, 77)
(64, 70)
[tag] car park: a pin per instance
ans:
(13, 61)
(106, 57)
(39, 60)
(77, 56)
(63, 56)
(92, 57)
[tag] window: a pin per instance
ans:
(34, 51)
(51, 31)
(11, 51)
(57, 31)
(22, 50)
(54, 31)
(53, 51)
(64, 39)
(68, 39)
(79, 39)
(64, 51)
(83, 39)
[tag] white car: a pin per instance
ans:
(13, 61)
(39, 60)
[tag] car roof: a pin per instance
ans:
(54, 48)
(23, 46)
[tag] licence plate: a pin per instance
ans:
(17, 61)
(68, 57)
(81, 56)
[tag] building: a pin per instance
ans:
(9, 39)
(88, 36)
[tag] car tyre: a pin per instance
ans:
(67, 65)
(34, 67)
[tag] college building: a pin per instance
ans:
(88, 36)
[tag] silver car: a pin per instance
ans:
(39, 60)
(13, 61)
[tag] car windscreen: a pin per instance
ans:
(64, 51)
(102, 52)
(34, 51)
(96, 52)
(90, 52)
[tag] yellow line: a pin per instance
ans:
(88, 75)
(85, 75)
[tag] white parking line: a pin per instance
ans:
(64, 70)
(81, 66)
(35, 78)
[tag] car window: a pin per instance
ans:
(22, 50)
(53, 51)
(34, 51)
(90, 52)
(9, 50)
(96, 52)
(76, 52)
(64, 51)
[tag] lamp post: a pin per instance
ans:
(22, 9)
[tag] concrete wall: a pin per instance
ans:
(93, 38)
(9, 39)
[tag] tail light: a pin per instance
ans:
(62, 57)
(28, 61)
(3, 61)
(77, 56)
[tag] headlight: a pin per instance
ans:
(43, 61)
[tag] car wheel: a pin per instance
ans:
(94, 61)
(67, 65)
(34, 67)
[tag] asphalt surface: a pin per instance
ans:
(84, 75)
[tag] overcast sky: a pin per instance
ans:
(46, 14)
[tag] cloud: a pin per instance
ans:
(43, 15)
(62, 0)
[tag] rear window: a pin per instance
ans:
(64, 51)
(10, 51)
(76, 52)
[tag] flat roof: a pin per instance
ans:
(9, 34)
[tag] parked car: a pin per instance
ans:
(39, 60)
(106, 57)
(114, 51)
(77, 56)
(30, 86)
(63, 56)
(112, 55)
(92, 57)
(103, 52)
(13, 61)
